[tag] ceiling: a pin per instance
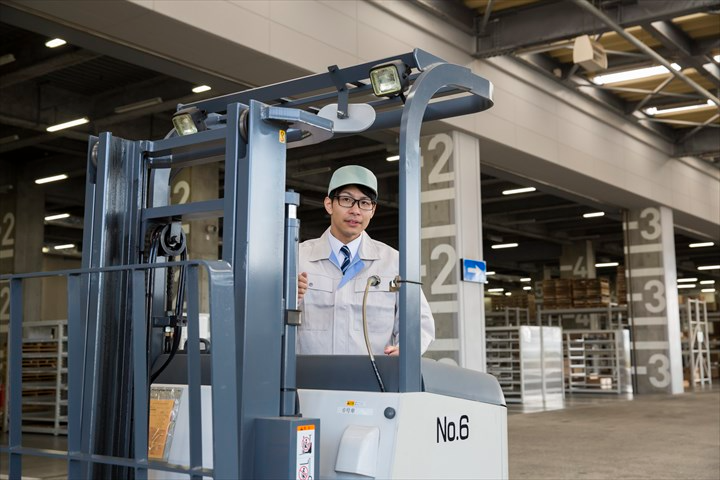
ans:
(40, 86)
(633, 34)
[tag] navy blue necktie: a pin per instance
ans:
(346, 263)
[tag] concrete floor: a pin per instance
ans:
(593, 437)
(655, 437)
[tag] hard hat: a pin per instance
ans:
(353, 175)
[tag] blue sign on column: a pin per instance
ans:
(473, 271)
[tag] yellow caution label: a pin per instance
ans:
(281, 136)
(302, 428)
(350, 403)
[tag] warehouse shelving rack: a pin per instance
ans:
(696, 342)
(44, 378)
(527, 361)
(610, 317)
(597, 361)
(509, 316)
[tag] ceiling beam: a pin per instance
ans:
(683, 47)
(45, 67)
(453, 12)
(703, 142)
(561, 21)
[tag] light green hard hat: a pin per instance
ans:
(353, 175)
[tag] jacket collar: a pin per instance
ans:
(321, 250)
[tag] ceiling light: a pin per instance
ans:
(45, 249)
(495, 289)
(55, 42)
(504, 245)
(687, 285)
(59, 216)
(656, 111)
(487, 274)
(716, 58)
(201, 88)
(607, 264)
(708, 290)
(389, 79)
(709, 267)
(64, 247)
(71, 123)
(138, 105)
(54, 178)
(701, 244)
(707, 282)
(593, 214)
(680, 280)
(7, 58)
(518, 190)
(526, 279)
(634, 74)
(9, 139)
(527, 287)
(508, 294)
(393, 158)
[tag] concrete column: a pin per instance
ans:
(196, 184)
(652, 292)
(578, 260)
(451, 230)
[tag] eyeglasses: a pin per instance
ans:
(349, 202)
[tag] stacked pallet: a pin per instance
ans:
(590, 292)
(557, 293)
(522, 300)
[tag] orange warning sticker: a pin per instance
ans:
(305, 427)
(281, 136)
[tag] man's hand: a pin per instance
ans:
(302, 285)
(392, 350)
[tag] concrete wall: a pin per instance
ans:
(537, 128)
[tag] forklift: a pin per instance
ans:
(247, 406)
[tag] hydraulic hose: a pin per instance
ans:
(372, 281)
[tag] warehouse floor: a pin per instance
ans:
(593, 437)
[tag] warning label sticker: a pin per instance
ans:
(305, 445)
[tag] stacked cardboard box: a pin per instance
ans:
(621, 286)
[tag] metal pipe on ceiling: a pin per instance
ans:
(587, 6)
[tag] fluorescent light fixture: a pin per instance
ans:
(201, 88)
(7, 58)
(707, 282)
(9, 139)
(526, 279)
(686, 108)
(515, 191)
(687, 285)
(693, 279)
(487, 274)
(527, 287)
(59, 216)
(55, 42)
(64, 247)
(45, 250)
(54, 178)
(508, 294)
(593, 214)
(634, 74)
(708, 290)
(709, 267)
(503, 245)
(716, 58)
(138, 105)
(701, 244)
(71, 123)
(393, 158)
(495, 289)
(607, 264)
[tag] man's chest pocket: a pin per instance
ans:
(381, 304)
(319, 303)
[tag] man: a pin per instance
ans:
(335, 271)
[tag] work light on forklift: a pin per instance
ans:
(390, 79)
(189, 120)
